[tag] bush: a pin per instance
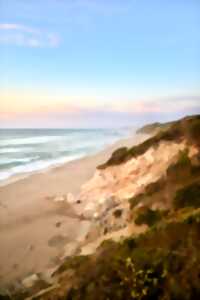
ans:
(117, 158)
(149, 217)
(194, 130)
(133, 201)
(183, 158)
(155, 187)
(188, 128)
(181, 168)
(188, 196)
(117, 213)
(162, 264)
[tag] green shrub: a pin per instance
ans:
(194, 130)
(118, 156)
(183, 158)
(161, 264)
(5, 297)
(133, 201)
(155, 187)
(188, 196)
(184, 128)
(181, 168)
(149, 217)
(70, 262)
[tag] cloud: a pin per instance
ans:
(125, 113)
(26, 107)
(157, 105)
(20, 35)
(63, 12)
(52, 100)
(11, 26)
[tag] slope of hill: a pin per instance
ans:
(154, 127)
(144, 239)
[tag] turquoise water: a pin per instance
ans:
(29, 150)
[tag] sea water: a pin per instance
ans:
(30, 150)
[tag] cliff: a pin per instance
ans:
(144, 238)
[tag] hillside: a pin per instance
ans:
(144, 237)
(154, 127)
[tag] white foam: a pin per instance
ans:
(79, 143)
(14, 150)
(37, 166)
(4, 161)
(29, 140)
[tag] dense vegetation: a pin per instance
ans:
(188, 196)
(149, 217)
(154, 127)
(163, 263)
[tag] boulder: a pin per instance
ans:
(70, 198)
(96, 215)
(29, 281)
(59, 199)
(89, 210)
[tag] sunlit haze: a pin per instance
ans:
(97, 63)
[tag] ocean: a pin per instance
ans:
(24, 151)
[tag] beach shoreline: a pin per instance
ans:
(35, 229)
(25, 152)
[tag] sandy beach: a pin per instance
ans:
(34, 229)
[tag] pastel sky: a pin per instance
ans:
(98, 63)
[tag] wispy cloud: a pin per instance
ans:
(157, 105)
(43, 109)
(11, 26)
(21, 35)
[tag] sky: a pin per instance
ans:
(98, 63)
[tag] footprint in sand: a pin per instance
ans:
(15, 266)
(58, 224)
(58, 241)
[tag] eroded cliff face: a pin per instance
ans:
(106, 197)
(124, 181)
